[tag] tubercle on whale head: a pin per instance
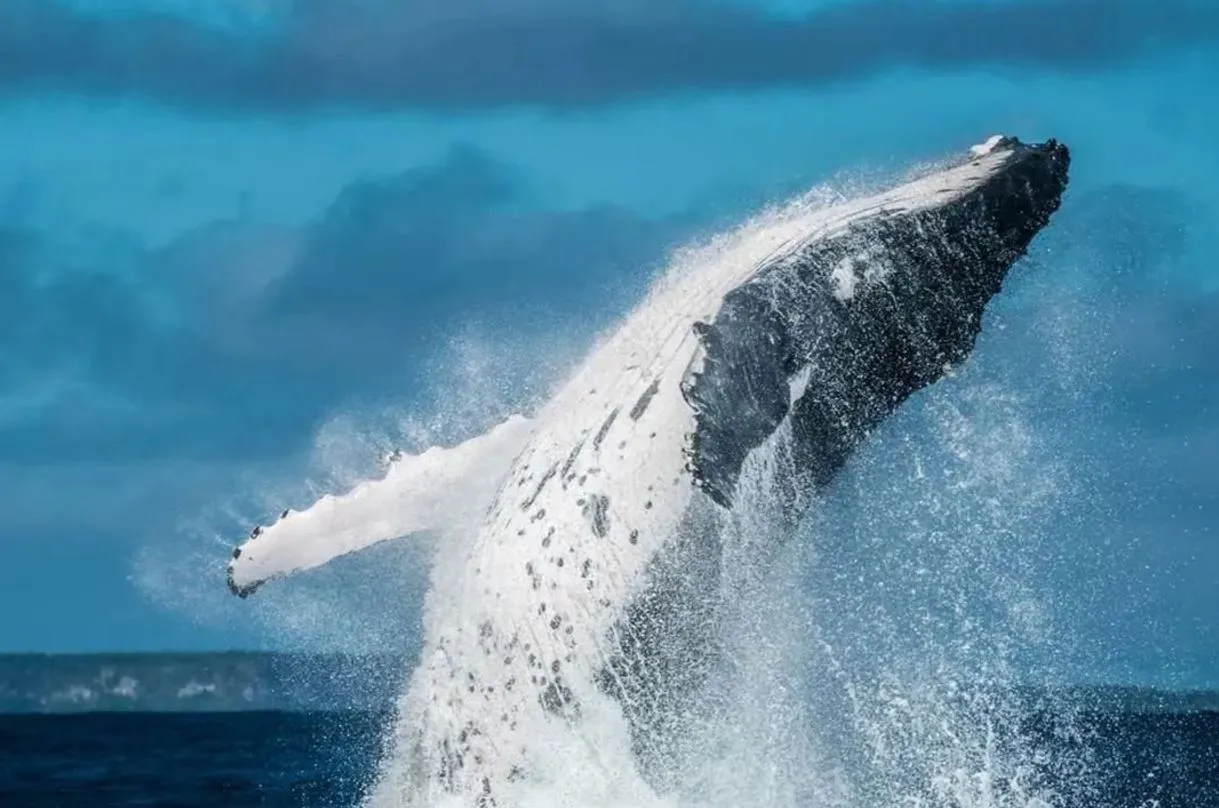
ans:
(991, 143)
(1053, 150)
(1060, 157)
(1042, 171)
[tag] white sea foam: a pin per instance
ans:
(193, 689)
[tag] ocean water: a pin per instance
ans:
(186, 759)
(302, 741)
(225, 729)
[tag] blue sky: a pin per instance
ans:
(238, 251)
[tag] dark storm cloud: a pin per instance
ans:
(237, 339)
(488, 53)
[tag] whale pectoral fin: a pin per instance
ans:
(438, 488)
(737, 385)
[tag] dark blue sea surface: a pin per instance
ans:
(227, 729)
(294, 730)
(220, 759)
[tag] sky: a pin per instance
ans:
(246, 246)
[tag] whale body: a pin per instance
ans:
(822, 323)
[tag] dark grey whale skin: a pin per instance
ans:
(867, 355)
(870, 353)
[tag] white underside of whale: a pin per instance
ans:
(568, 510)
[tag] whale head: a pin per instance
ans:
(879, 301)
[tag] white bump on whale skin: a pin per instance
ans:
(799, 383)
(985, 148)
(856, 271)
(845, 278)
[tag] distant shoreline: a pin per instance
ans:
(309, 681)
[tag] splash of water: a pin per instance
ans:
(873, 660)
(861, 659)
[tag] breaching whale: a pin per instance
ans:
(825, 323)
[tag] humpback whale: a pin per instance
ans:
(823, 323)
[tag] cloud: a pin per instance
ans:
(477, 54)
(237, 340)
(388, 252)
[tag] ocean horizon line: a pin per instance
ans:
(239, 680)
